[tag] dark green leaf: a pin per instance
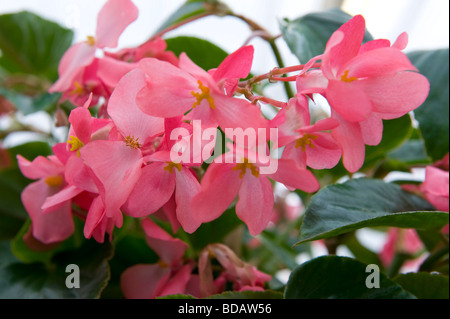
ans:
(358, 203)
(204, 53)
(433, 114)
(30, 44)
(177, 296)
(395, 132)
(333, 277)
(307, 36)
(411, 152)
(12, 183)
(248, 294)
(38, 280)
(27, 104)
(425, 285)
(361, 252)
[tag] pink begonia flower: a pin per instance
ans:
(55, 223)
(112, 19)
(239, 174)
(116, 164)
(436, 187)
(400, 241)
(161, 179)
(190, 88)
(352, 76)
(307, 144)
(242, 275)
(169, 276)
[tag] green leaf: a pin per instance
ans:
(27, 104)
(425, 285)
(307, 36)
(248, 294)
(203, 53)
(358, 203)
(192, 8)
(333, 277)
(38, 280)
(433, 114)
(31, 44)
(411, 152)
(395, 132)
(12, 183)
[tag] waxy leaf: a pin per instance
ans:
(433, 114)
(425, 285)
(358, 203)
(32, 45)
(307, 36)
(39, 280)
(204, 53)
(334, 277)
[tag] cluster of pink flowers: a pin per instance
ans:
(121, 162)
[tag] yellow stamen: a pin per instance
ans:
(90, 40)
(243, 167)
(132, 142)
(305, 140)
(162, 264)
(345, 77)
(204, 94)
(78, 90)
(54, 181)
(76, 144)
(171, 165)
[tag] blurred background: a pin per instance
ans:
(426, 22)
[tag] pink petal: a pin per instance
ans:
(178, 282)
(372, 129)
(374, 44)
(349, 100)
(325, 154)
(336, 55)
(94, 216)
(349, 136)
(81, 127)
(117, 168)
(112, 19)
(397, 93)
(165, 85)
(153, 189)
(401, 42)
(220, 185)
(312, 82)
(436, 181)
(110, 70)
(237, 113)
(255, 204)
(40, 167)
(290, 174)
(127, 117)
(169, 249)
(237, 65)
(143, 281)
(187, 187)
(378, 62)
(76, 57)
(60, 199)
(47, 228)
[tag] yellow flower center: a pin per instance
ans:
(171, 165)
(90, 40)
(132, 142)
(305, 140)
(76, 144)
(345, 77)
(204, 94)
(54, 181)
(243, 167)
(78, 90)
